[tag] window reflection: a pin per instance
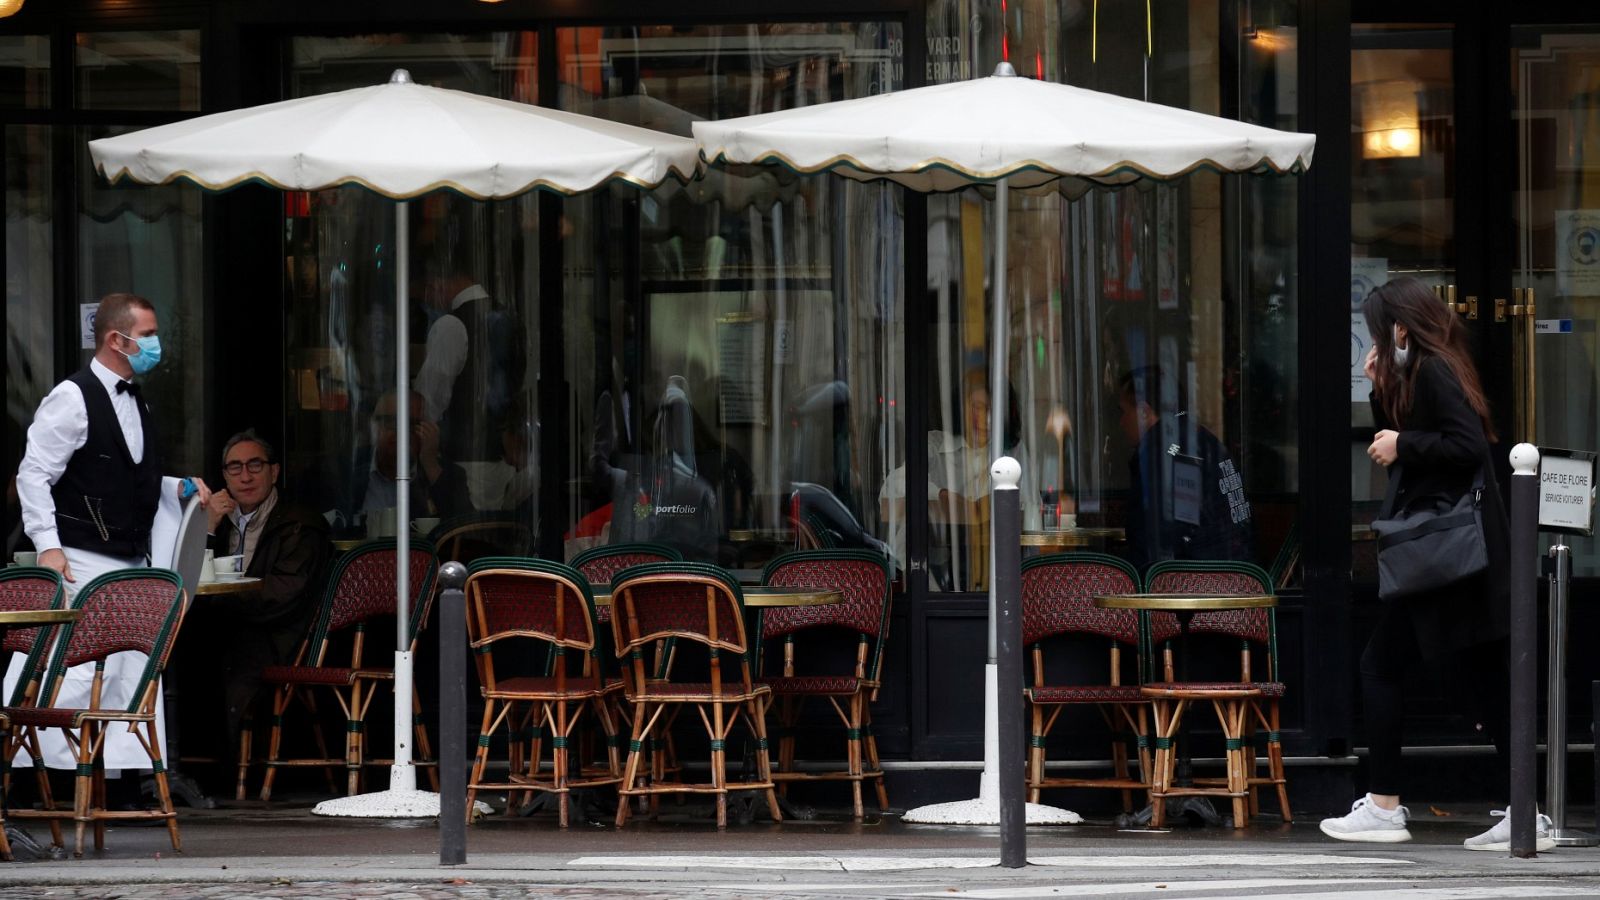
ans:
(735, 344)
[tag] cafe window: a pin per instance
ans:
(138, 70)
(474, 419)
(25, 71)
(734, 346)
(1150, 381)
(30, 281)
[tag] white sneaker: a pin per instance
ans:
(1499, 837)
(1368, 822)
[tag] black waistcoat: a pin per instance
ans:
(105, 502)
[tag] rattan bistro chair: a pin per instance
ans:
(361, 589)
(26, 589)
(699, 605)
(136, 610)
(864, 578)
(531, 606)
(1058, 594)
(1241, 706)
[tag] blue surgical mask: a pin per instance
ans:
(149, 353)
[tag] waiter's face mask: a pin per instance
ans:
(149, 352)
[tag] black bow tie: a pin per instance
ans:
(128, 387)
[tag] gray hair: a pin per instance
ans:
(249, 436)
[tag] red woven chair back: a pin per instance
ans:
(364, 588)
(129, 609)
(1211, 578)
(682, 600)
(1058, 597)
(27, 589)
(542, 600)
(863, 578)
(600, 564)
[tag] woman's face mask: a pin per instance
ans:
(1401, 354)
(149, 353)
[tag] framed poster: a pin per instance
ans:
(742, 369)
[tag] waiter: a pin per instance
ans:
(90, 483)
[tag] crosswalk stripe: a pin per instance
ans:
(904, 863)
(1476, 892)
(1164, 888)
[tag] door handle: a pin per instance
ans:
(1499, 309)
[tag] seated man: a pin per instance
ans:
(438, 485)
(284, 545)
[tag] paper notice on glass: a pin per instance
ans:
(741, 369)
(1366, 273)
(1578, 252)
(86, 313)
(1360, 343)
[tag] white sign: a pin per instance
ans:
(1360, 343)
(783, 342)
(1366, 273)
(1577, 252)
(1566, 490)
(1552, 326)
(86, 313)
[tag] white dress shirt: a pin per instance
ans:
(59, 429)
(445, 356)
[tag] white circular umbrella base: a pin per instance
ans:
(388, 805)
(986, 812)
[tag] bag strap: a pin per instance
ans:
(1391, 495)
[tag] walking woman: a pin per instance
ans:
(1433, 436)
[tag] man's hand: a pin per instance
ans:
(55, 559)
(219, 506)
(200, 489)
(1385, 448)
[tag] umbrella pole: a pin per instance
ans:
(402, 774)
(989, 782)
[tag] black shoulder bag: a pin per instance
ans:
(1431, 542)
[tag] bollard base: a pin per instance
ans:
(986, 812)
(1571, 837)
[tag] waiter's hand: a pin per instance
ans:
(55, 559)
(1385, 448)
(200, 489)
(220, 505)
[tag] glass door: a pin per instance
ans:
(1555, 206)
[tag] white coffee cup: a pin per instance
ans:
(229, 565)
(25, 558)
(208, 567)
(1069, 520)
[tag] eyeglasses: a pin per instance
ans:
(253, 465)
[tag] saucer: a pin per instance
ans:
(229, 576)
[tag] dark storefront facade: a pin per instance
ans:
(759, 360)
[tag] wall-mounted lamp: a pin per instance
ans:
(10, 7)
(1389, 120)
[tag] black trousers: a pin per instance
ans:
(1393, 650)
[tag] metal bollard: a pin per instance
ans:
(1594, 739)
(1013, 748)
(1555, 792)
(1524, 649)
(452, 716)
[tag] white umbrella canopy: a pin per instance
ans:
(947, 137)
(401, 140)
(1009, 132)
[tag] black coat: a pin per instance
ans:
(1441, 448)
(291, 559)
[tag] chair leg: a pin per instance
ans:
(1230, 720)
(424, 749)
(82, 785)
(758, 722)
(97, 801)
(1275, 762)
(1036, 753)
(871, 742)
(480, 759)
(246, 743)
(558, 760)
(41, 777)
(309, 700)
(280, 703)
(163, 789)
(631, 770)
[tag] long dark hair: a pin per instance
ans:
(1432, 329)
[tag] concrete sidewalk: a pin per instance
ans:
(286, 852)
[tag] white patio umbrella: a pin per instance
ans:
(1006, 131)
(400, 140)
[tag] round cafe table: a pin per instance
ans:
(1184, 606)
(224, 586)
(1059, 538)
(28, 618)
